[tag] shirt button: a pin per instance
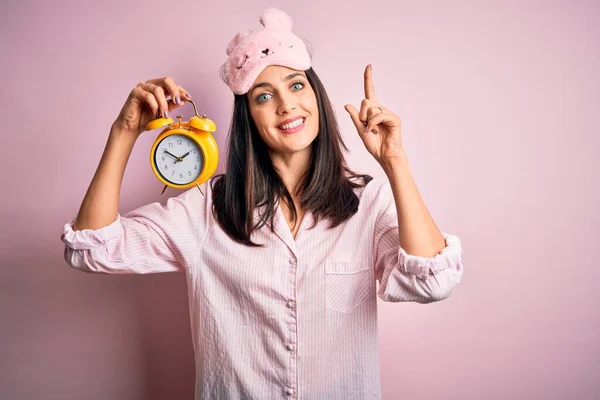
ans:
(291, 304)
(289, 346)
(292, 261)
(290, 391)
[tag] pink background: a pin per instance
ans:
(497, 101)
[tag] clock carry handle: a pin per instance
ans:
(198, 122)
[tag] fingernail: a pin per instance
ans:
(189, 96)
(166, 114)
(177, 100)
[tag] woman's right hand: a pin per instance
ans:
(148, 101)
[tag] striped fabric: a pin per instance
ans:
(295, 319)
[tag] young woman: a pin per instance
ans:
(282, 252)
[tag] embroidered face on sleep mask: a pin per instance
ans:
(275, 44)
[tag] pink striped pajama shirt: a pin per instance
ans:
(295, 319)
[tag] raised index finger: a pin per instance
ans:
(369, 88)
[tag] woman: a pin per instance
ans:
(288, 308)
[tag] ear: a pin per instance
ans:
(275, 18)
(237, 39)
(239, 60)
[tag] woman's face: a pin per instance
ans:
(284, 108)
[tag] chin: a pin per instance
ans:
(295, 148)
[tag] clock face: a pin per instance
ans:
(178, 159)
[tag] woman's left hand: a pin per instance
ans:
(378, 127)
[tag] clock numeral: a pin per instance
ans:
(166, 167)
(181, 175)
(172, 173)
(195, 167)
(189, 173)
(163, 158)
(179, 141)
(170, 144)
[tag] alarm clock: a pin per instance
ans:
(184, 154)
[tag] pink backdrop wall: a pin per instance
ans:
(499, 102)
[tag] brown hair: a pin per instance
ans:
(251, 181)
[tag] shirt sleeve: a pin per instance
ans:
(150, 239)
(406, 277)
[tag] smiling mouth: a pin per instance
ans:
(293, 124)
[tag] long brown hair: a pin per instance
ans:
(251, 181)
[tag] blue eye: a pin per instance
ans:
(296, 86)
(261, 98)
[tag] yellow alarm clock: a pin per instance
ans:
(185, 153)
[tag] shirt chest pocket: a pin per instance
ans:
(347, 284)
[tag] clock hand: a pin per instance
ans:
(186, 154)
(173, 155)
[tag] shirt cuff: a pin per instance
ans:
(89, 238)
(449, 257)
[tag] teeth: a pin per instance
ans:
(294, 124)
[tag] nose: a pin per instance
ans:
(265, 52)
(287, 103)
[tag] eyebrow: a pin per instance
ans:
(266, 84)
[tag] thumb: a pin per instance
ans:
(360, 127)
